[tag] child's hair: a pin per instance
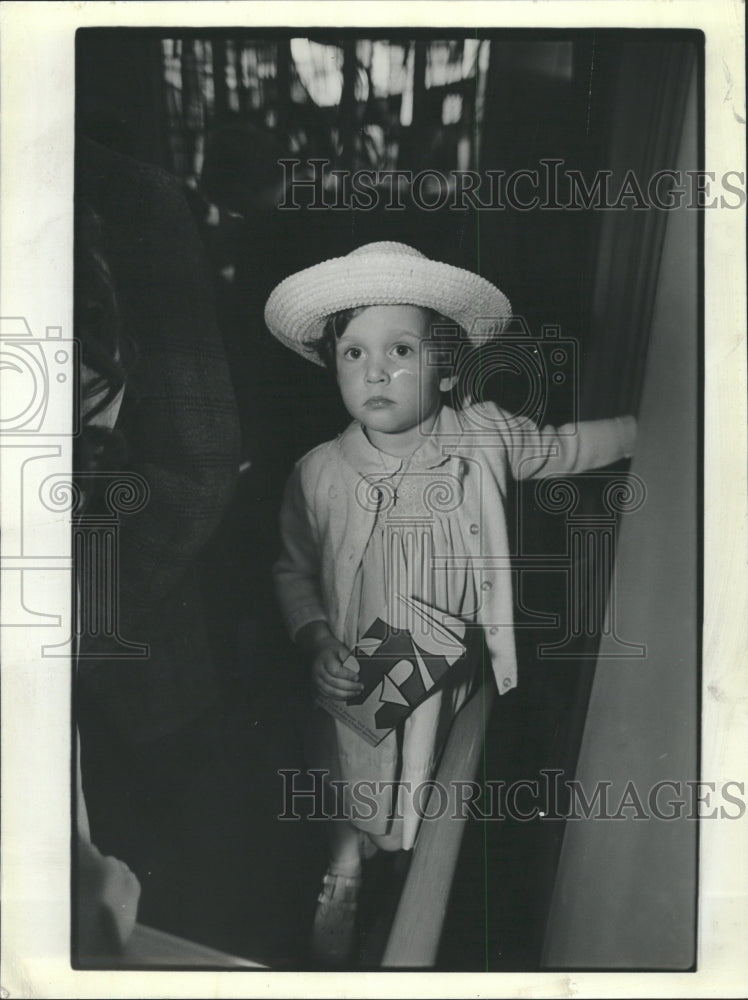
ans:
(335, 327)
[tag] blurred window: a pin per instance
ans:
(394, 110)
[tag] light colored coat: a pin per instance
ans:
(328, 511)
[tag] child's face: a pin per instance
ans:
(382, 378)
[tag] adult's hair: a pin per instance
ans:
(107, 353)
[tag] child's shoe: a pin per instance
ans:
(333, 930)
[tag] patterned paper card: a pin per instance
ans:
(398, 667)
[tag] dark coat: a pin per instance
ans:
(180, 426)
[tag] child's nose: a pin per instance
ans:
(376, 371)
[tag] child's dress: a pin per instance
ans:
(417, 521)
(360, 526)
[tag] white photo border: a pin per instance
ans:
(37, 102)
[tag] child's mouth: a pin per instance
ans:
(378, 403)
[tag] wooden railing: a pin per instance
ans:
(416, 930)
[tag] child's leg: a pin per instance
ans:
(333, 930)
(342, 837)
(344, 846)
(392, 841)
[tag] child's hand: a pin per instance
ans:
(334, 669)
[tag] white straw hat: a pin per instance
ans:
(383, 273)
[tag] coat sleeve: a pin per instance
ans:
(297, 571)
(535, 452)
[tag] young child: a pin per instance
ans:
(407, 502)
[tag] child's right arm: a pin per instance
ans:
(297, 585)
(297, 570)
(328, 657)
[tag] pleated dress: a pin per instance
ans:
(418, 526)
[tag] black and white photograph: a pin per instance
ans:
(373, 511)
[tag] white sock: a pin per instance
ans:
(345, 866)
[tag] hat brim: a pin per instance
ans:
(299, 306)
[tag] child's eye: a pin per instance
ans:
(403, 350)
(352, 353)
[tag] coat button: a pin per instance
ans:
(493, 630)
(506, 682)
(474, 529)
(486, 585)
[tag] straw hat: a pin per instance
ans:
(381, 274)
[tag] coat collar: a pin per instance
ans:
(438, 447)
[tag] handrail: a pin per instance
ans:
(149, 948)
(416, 930)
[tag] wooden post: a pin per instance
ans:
(417, 927)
